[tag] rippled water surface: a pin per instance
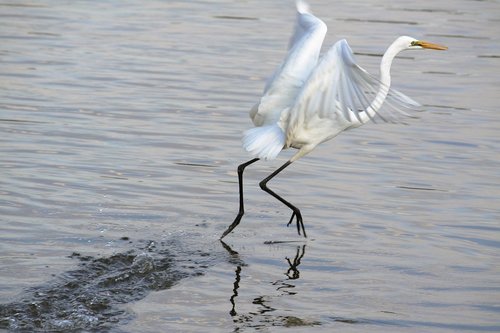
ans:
(121, 125)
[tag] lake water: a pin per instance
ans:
(121, 124)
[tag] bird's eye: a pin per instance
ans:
(414, 43)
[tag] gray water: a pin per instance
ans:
(121, 125)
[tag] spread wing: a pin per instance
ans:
(341, 90)
(282, 87)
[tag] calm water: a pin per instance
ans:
(121, 125)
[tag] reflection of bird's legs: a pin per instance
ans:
(240, 184)
(296, 212)
(296, 262)
(236, 285)
(234, 259)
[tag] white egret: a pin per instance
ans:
(309, 100)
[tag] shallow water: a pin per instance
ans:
(121, 128)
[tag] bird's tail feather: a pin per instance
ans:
(264, 142)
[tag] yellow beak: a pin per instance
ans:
(432, 46)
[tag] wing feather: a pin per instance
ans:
(283, 86)
(345, 92)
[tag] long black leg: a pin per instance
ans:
(241, 211)
(296, 212)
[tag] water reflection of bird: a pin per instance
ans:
(309, 101)
(284, 285)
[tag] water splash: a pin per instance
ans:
(92, 296)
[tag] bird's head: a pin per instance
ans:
(410, 43)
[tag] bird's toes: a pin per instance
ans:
(291, 219)
(299, 222)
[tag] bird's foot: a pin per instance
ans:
(300, 223)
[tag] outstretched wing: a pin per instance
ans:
(281, 89)
(340, 89)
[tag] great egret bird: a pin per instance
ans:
(309, 100)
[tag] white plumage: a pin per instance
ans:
(309, 100)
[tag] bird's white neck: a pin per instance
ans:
(385, 64)
(385, 79)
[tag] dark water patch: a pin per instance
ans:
(380, 55)
(22, 5)
(438, 325)
(454, 143)
(114, 177)
(230, 17)
(91, 297)
(428, 10)
(195, 164)
(418, 324)
(494, 308)
(487, 289)
(468, 269)
(410, 271)
(348, 320)
(379, 21)
(21, 121)
(474, 227)
(458, 108)
(493, 56)
(41, 33)
(458, 36)
(439, 72)
(479, 241)
(420, 188)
